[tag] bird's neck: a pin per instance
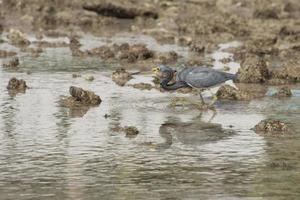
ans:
(165, 83)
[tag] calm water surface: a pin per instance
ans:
(51, 152)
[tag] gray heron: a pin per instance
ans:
(201, 78)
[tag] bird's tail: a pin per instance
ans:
(231, 76)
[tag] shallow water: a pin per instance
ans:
(49, 151)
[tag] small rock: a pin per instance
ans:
(80, 97)
(121, 76)
(15, 84)
(131, 131)
(89, 78)
(76, 75)
(283, 92)
(271, 126)
(12, 63)
(16, 37)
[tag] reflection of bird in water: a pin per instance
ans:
(195, 77)
(195, 132)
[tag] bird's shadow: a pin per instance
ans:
(194, 132)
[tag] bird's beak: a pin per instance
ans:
(155, 69)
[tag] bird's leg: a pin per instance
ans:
(201, 98)
(214, 99)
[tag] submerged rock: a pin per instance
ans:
(12, 63)
(17, 85)
(271, 126)
(16, 37)
(81, 97)
(121, 76)
(228, 92)
(119, 11)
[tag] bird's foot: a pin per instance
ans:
(213, 101)
(206, 106)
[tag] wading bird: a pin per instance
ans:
(196, 77)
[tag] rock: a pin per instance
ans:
(253, 70)
(271, 126)
(1, 28)
(76, 75)
(135, 52)
(89, 78)
(289, 73)
(80, 97)
(18, 38)
(121, 76)
(168, 58)
(119, 11)
(17, 85)
(12, 63)
(283, 92)
(228, 92)
(131, 131)
(4, 54)
(103, 52)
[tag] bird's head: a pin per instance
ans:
(162, 69)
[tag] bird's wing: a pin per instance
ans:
(204, 78)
